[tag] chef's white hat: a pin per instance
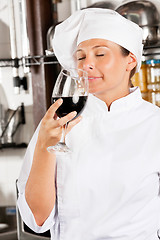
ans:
(95, 23)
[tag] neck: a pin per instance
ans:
(111, 96)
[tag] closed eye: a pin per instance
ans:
(79, 59)
(100, 55)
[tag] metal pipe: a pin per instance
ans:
(13, 41)
(24, 35)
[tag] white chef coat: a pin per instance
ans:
(108, 188)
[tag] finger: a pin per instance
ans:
(62, 121)
(55, 116)
(73, 123)
(53, 108)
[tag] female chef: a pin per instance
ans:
(108, 188)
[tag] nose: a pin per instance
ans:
(87, 67)
(88, 64)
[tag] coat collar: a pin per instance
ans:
(122, 104)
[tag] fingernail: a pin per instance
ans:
(60, 100)
(74, 113)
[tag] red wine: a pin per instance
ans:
(70, 104)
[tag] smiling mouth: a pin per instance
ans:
(93, 78)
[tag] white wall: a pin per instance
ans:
(11, 159)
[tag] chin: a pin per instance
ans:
(96, 91)
(92, 91)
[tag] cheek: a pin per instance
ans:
(113, 66)
(79, 64)
(108, 67)
(109, 62)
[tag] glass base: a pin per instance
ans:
(60, 147)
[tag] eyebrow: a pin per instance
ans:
(93, 47)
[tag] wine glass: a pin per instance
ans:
(72, 86)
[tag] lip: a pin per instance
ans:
(90, 78)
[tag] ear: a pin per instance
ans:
(132, 62)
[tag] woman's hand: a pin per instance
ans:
(51, 128)
(41, 180)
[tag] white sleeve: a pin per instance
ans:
(23, 207)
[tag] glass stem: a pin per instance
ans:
(64, 133)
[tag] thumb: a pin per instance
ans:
(73, 123)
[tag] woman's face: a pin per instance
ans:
(106, 66)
